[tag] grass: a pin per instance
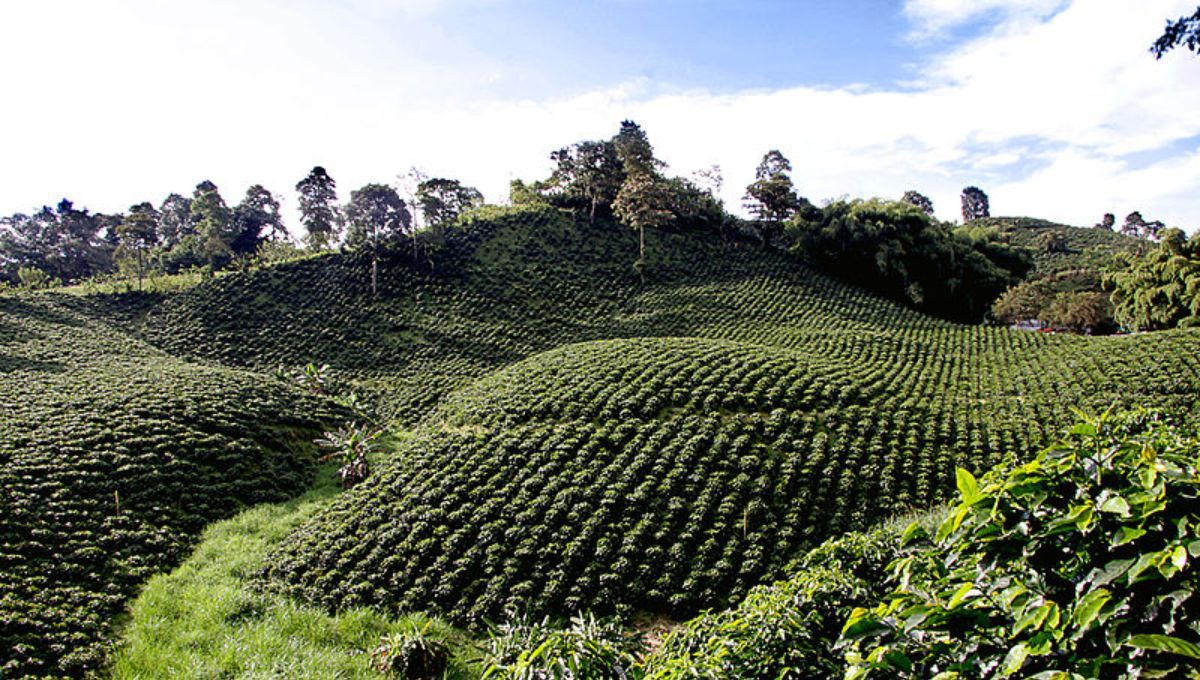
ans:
(208, 618)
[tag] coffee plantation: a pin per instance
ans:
(564, 439)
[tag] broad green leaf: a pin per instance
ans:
(1089, 607)
(1014, 660)
(1116, 505)
(1127, 534)
(1032, 619)
(1165, 643)
(961, 594)
(967, 486)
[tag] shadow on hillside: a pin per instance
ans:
(39, 312)
(12, 364)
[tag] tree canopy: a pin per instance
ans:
(1159, 289)
(895, 248)
(318, 208)
(1182, 31)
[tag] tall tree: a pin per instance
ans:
(64, 242)
(174, 220)
(257, 218)
(643, 200)
(974, 204)
(318, 208)
(771, 198)
(920, 200)
(138, 232)
(214, 224)
(1109, 221)
(443, 200)
(633, 149)
(1183, 31)
(589, 171)
(375, 217)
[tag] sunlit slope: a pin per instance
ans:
(671, 474)
(113, 456)
(511, 283)
(1082, 247)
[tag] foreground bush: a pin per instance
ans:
(1080, 563)
(587, 649)
(788, 629)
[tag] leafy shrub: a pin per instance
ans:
(1080, 563)
(588, 648)
(1070, 300)
(351, 446)
(411, 654)
(1160, 289)
(789, 629)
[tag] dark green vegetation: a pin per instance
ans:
(1080, 561)
(898, 250)
(1162, 288)
(750, 405)
(113, 457)
(1078, 247)
(1072, 300)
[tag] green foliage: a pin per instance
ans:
(64, 242)
(113, 457)
(214, 225)
(352, 447)
(1070, 300)
(789, 629)
(1160, 289)
(318, 209)
(587, 648)
(1079, 562)
(974, 205)
(771, 198)
(443, 200)
(1088, 248)
(32, 278)
(565, 482)
(895, 248)
(920, 200)
(840, 404)
(1182, 31)
(412, 654)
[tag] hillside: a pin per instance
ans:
(1084, 247)
(113, 457)
(749, 406)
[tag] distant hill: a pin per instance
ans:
(1086, 247)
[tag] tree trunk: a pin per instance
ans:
(374, 274)
(642, 253)
(140, 266)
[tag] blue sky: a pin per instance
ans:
(1054, 107)
(721, 46)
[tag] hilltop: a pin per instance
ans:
(1077, 247)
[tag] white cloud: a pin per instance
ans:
(1039, 117)
(931, 17)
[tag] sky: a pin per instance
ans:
(1054, 107)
